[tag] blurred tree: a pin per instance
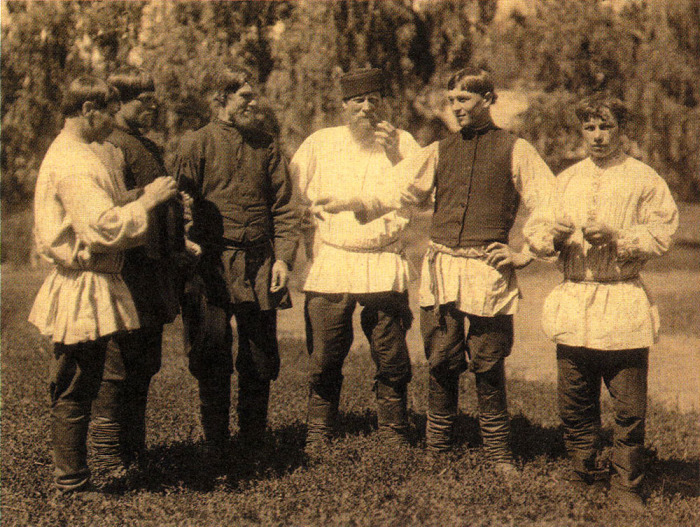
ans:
(647, 53)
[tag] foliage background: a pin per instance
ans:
(549, 51)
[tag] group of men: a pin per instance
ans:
(219, 236)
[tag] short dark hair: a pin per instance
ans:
(131, 82)
(87, 88)
(229, 80)
(594, 105)
(476, 79)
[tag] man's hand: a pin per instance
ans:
(187, 203)
(500, 256)
(193, 249)
(598, 233)
(561, 231)
(158, 191)
(334, 205)
(388, 137)
(280, 276)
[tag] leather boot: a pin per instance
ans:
(106, 429)
(322, 413)
(69, 431)
(133, 420)
(215, 404)
(494, 421)
(392, 414)
(443, 396)
(253, 399)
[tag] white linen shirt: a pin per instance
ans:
(79, 228)
(352, 257)
(602, 303)
(474, 286)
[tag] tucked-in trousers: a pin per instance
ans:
(486, 344)
(119, 411)
(624, 372)
(257, 363)
(76, 373)
(385, 318)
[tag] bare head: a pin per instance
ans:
(236, 101)
(139, 106)
(91, 103)
(471, 93)
(603, 119)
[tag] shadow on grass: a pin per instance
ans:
(671, 477)
(190, 466)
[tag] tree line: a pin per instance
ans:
(648, 53)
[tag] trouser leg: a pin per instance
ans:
(489, 341)
(215, 404)
(493, 413)
(119, 412)
(329, 336)
(443, 338)
(578, 397)
(385, 319)
(257, 363)
(75, 381)
(625, 375)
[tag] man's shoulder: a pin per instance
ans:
(326, 134)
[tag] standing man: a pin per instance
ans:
(612, 213)
(356, 263)
(133, 357)
(82, 230)
(478, 175)
(247, 227)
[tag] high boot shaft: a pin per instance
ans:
(106, 428)
(322, 413)
(69, 430)
(252, 408)
(443, 398)
(494, 421)
(392, 413)
(215, 405)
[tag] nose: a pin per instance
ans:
(366, 105)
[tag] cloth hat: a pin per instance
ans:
(362, 81)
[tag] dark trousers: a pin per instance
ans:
(624, 372)
(385, 318)
(119, 411)
(487, 343)
(257, 363)
(76, 373)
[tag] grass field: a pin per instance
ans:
(360, 481)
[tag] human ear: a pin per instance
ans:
(88, 107)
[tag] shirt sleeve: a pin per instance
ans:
(285, 212)
(302, 169)
(535, 182)
(188, 165)
(98, 222)
(409, 182)
(657, 217)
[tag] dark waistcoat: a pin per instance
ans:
(475, 198)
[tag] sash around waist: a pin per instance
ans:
(394, 246)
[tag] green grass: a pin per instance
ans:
(358, 482)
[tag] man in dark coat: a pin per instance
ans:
(243, 218)
(133, 357)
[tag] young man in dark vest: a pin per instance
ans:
(479, 176)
